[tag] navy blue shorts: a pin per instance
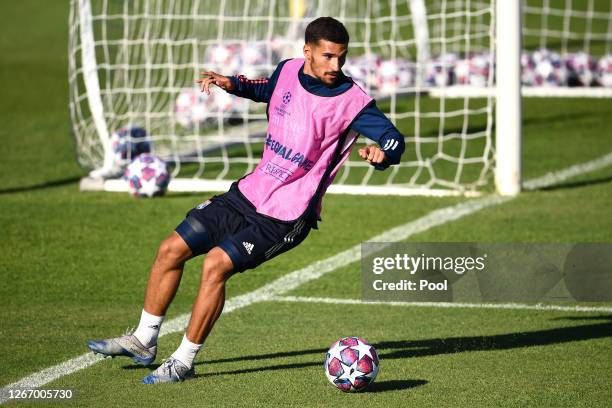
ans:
(230, 222)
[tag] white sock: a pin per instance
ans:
(187, 351)
(148, 328)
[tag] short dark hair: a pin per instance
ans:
(326, 28)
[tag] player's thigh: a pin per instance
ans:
(208, 224)
(260, 242)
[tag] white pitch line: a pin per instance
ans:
(294, 279)
(446, 305)
(551, 179)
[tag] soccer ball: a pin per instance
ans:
(254, 59)
(440, 71)
(223, 58)
(549, 69)
(225, 106)
(473, 70)
(393, 75)
(127, 143)
(194, 109)
(191, 108)
(362, 69)
(358, 73)
(351, 364)
(581, 69)
(528, 65)
(604, 71)
(147, 176)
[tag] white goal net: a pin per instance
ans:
(132, 67)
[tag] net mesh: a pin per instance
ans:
(147, 54)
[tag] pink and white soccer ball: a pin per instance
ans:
(549, 69)
(604, 71)
(194, 108)
(581, 69)
(440, 71)
(224, 106)
(393, 75)
(147, 176)
(359, 73)
(224, 58)
(191, 108)
(528, 66)
(254, 56)
(351, 364)
(362, 69)
(128, 142)
(474, 70)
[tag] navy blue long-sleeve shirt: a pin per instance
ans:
(371, 122)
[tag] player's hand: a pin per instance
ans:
(210, 77)
(372, 154)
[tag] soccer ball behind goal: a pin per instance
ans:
(127, 143)
(473, 70)
(550, 70)
(224, 58)
(362, 69)
(440, 71)
(254, 59)
(147, 176)
(528, 66)
(604, 71)
(191, 108)
(393, 76)
(195, 109)
(351, 364)
(581, 69)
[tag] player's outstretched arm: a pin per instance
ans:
(212, 78)
(373, 155)
(257, 90)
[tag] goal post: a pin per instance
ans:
(431, 65)
(508, 117)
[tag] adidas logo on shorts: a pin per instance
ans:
(248, 246)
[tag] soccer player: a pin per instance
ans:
(315, 114)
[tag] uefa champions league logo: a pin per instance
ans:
(280, 107)
(286, 97)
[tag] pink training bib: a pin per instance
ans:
(303, 133)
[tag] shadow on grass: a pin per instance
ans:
(41, 186)
(404, 349)
(431, 347)
(394, 385)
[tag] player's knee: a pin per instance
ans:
(217, 266)
(172, 250)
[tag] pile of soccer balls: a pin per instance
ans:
(194, 109)
(351, 364)
(540, 68)
(147, 175)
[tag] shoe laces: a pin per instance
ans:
(169, 365)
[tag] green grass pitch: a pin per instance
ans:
(73, 266)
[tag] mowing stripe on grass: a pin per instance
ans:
(458, 305)
(294, 279)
